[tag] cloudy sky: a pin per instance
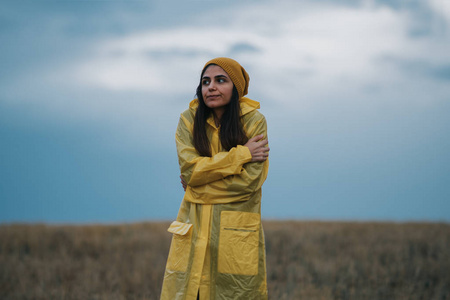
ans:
(356, 94)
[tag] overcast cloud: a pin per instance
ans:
(356, 95)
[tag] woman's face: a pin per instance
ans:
(217, 88)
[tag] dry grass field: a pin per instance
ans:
(305, 260)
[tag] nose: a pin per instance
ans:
(212, 86)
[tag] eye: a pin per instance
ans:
(205, 81)
(221, 80)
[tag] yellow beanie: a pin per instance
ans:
(236, 72)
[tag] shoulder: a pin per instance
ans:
(250, 110)
(186, 122)
(253, 117)
(254, 122)
(189, 114)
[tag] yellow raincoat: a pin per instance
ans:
(218, 246)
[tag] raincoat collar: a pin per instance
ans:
(247, 105)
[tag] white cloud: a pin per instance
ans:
(156, 61)
(301, 45)
(344, 90)
(300, 56)
(441, 9)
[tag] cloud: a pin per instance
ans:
(300, 45)
(441, 9)
(355, 94)
(301, 57)
(157, 60)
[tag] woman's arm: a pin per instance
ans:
(198, 170)
(257, 148)
(236, 187)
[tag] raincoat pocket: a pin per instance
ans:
(238, 243)
(180, 247)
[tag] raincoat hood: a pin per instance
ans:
(247, 105)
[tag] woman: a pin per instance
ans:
(217, 249)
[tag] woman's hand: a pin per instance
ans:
(183, 183)
(258, 148)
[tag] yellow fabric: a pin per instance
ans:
(236, 72)
(222, 255)
(180, 247)
(239, 237)
(179, 228)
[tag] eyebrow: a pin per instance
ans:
(218, 76)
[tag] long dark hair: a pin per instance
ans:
(231, 129)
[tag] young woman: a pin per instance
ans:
(217, 249)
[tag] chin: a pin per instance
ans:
(213, 105)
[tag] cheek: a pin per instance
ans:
(204, 90)
(229, 94)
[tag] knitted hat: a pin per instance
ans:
(236, 72)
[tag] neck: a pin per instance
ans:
(218, 113)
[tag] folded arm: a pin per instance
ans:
(198, 170)
(235, 187)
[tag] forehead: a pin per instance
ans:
(213, 71)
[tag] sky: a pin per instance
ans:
(356, 94)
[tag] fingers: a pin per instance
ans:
(259, 159)
(257, 142)
(262, 147)
(256, 138)
(261, 150)
(258, 148)
(183, 183)
(261, 155)
(262, 143)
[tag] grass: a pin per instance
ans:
(305, 260)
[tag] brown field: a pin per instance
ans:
(305, 260)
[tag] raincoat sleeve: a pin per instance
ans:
(200, 170)
(236, 187)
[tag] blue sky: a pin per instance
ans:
(356, 94)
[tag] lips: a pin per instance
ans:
(212, 96)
